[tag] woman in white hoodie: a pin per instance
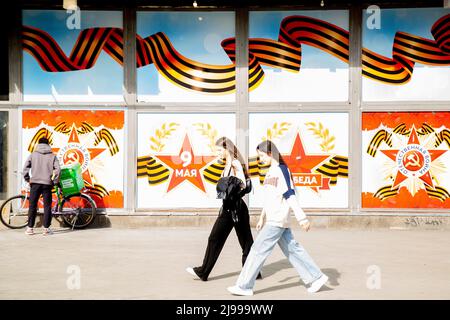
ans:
(279, 197)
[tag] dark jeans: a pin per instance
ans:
(36, 191)
(219, 234)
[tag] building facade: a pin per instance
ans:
(356, 97)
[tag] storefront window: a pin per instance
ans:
(73, 56)
(3, 153)
(298, 56)
(406, 55)
(177, 165)
(93, 138)
(4, 59)
(314, 147)
(405, 160)
(185, 56)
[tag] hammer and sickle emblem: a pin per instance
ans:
(73, 157)
(413, 160)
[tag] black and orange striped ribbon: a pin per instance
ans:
(213, 172)
(386, 192)
(215, 79)
(102, 135)
(41, 133)
(154, 170)
(105, 135)
(85, 53)
(384, 136)
(442, 136)
(336, 167)
(437, 192)
(378, 138)
(182, 71)
(157, 172)
(255, 168)
(97, 190)
(407, 50)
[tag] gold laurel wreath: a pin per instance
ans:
(277, 131)
(162, 134)
(209, 132)
(320, 132)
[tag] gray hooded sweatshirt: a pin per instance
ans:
(44, 166)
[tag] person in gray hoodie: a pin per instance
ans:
(45, 172)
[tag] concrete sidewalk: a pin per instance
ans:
(150, 264)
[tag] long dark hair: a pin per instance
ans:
(228, 145)
(271, 149)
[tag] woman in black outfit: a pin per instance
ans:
(233, 213)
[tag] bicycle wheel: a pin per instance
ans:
(14, 212)
(78, 211)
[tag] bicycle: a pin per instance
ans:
(77, 211)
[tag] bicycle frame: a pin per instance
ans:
(59, 198)
(69, 207)
(57, 202)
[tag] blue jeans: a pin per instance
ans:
(263, 246)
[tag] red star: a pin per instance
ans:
(186, 166)
(300, 162)
(93, 153)
(400, 177)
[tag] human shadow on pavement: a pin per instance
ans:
(61, 231)
(333, 275)
(266, 271)
(226, 275)
(271, 269)
(289, 285)
(274, 267)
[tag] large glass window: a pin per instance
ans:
(185, 56)
(3, 153)
(177, 165)
(93, 138)
(4, 59)
(315, 148)
(73, 56)
(406, 55)
(299, 56)
(405, 160)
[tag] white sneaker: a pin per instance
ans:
(47, 232)
(29, 231)
(191, 271)
(239, 291)
(316, 285)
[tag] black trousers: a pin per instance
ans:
(219, 234)
(36, 191)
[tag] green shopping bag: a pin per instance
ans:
(71, 179)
